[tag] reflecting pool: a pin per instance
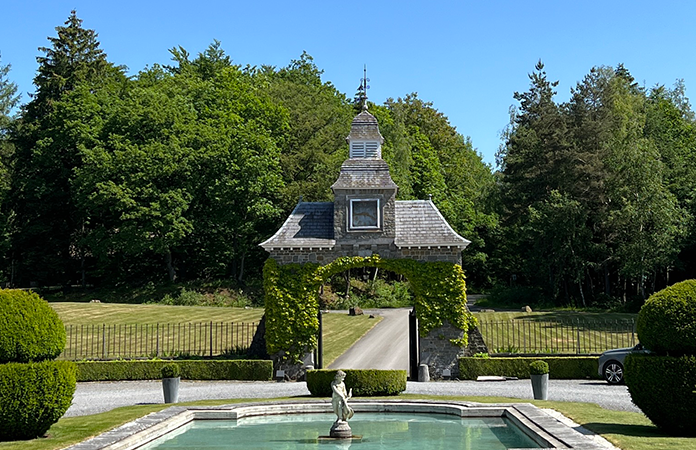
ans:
(394, 431)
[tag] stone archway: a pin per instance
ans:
(364, 226)
(292, 306)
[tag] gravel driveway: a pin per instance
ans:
(92, 398)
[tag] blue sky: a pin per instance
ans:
(467, 57)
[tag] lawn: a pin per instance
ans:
(629, 431)
(109, 329)
(560, 332)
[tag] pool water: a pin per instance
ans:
(394, 431)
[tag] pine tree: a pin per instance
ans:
(47, 224)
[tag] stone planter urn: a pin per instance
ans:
(170, 383)
(539, 373)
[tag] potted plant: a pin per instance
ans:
(170, 382)
(539, 372)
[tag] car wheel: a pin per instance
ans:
(614, 372)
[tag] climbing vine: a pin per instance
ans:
(292, 298)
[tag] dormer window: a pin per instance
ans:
(364, 214)
(364, 149)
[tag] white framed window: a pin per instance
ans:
(364, 214)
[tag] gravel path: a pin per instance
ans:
(92, 398)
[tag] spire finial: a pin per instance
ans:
(364, 87)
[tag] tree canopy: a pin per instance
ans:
(178, 172)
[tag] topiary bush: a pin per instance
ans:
(663, 388)
(365, 383)
(673, 309)
(29, 328)
(170, 370)
(538, 368)
(33, 396)
(662, 384)
(34, 392)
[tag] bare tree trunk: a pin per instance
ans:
(241, 268)
(170, 265)
(607, 282)
(347, 275)
(374, 278)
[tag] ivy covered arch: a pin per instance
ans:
(292, 298)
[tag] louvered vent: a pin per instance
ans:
(361, 149)
(371, 149)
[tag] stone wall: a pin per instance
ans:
(439, 353)
(384, 249)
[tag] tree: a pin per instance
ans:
(314, 145)
(8, 100)
(47, 223)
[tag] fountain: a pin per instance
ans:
(403, 424)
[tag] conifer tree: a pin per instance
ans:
(47, 224)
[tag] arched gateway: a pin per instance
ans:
(366, 226)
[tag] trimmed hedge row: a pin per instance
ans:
(663, 387)
(30, 328)
(365, 383)
(33, 396)
(560, 367)
(238, 369)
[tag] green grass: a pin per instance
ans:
(626, 430)
(556, 331)
(114, 313)
(340, 330)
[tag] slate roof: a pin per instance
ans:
(364, 174)
(365, 128)
(418, 224)
(310, 225)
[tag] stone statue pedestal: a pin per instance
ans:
(341, 430)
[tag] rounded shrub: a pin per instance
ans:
(170, 370)
(365, 383)
(538, 368)
(33, 396)
(29, 328)
(667, 321)
(663, 388)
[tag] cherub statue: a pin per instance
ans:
(339, 397)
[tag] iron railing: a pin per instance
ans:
(557, 337)
(114, 341)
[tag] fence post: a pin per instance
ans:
(104, 341)
(157, 352)
(578, 331)
(211, 338)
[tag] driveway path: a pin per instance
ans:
(385, 346)
(93, 398)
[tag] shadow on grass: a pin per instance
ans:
(642, 431)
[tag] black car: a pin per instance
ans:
(611, 363)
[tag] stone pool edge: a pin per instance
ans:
(537, 424)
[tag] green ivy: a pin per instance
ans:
(292, 298)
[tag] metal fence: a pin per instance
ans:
(156, 340)
(562, 337)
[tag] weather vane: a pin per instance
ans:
(364, 87)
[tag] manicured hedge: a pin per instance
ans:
(560, 367)
(673, 309)
(663, 388)
(29, 328)
(365, 383)
(33, 396)
(253, 370)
